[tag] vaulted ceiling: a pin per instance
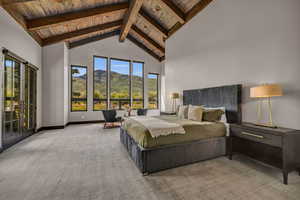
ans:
(147, 23)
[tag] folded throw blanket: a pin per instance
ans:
(158, 127)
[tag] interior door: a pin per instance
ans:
(12, 101)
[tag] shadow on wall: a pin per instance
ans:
(291, 95)
(289, 91)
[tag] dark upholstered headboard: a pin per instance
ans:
(229, 97)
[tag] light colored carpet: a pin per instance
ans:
(86, 162)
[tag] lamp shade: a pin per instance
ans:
(263, 91)
(175, 95)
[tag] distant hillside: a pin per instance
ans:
(119, 83)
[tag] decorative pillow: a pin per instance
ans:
(195, 113)
(212, 115)
(183, 112)
(223, 118)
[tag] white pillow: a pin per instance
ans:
(195, 113)
(183, 112)
(223, 117)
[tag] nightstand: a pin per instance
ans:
(167, 113)
(278, 147)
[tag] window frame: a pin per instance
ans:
(107, 80)
(86, 88)
(130, 71)
(157, 88)
(109, 84)
(135, 61)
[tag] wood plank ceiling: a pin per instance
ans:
(147, 23)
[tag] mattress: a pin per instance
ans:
(194, 131)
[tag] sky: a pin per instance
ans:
(119, 66)
(152, 76)
(82, 71)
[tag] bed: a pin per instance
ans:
(165, 152)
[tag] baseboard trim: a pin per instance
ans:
(69, 123)
(50, 128)
(39, 129)
(85, 122)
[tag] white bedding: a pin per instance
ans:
(227, 129)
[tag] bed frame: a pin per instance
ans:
(150, 160)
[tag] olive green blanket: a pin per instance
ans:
(194, 131)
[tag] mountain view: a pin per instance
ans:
(120, 96)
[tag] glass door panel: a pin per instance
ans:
(12, 99)
(29, 106)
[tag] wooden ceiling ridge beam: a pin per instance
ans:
(147, 38)
(130, 18)
(153, 22)
(69, 35)
(35, 24)
(93, 39)
(190, 14)
(142, 46)
(175, 10)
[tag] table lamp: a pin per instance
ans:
(174, 97)
(265, 91)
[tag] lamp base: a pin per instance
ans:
(265, 125)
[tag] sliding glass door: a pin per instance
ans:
(12, 100)
(19, 112)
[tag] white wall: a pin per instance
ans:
(241, 41)
(110, 47)
(55, 85)
(66, 84)
(15, 39)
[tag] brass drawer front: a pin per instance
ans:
(252, 135)
(257, 136)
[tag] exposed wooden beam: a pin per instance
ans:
(154, 23)
(10, 2)
(174, 9)
(147, 38)
(93, 39)
(174, 29)
(21, 20)
(130, 17)
(43, 22)
(197, 8)
(69, 35)
(142, 46)
(193, 12)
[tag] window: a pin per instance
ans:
(78, 88)
(100, 83)
(119, 84)
(152, 91)
(137, 85)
